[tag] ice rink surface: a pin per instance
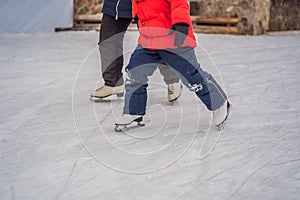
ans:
(57, 144)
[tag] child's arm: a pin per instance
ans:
(180, 11)
(180, 19)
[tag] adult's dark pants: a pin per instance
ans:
(111, 38)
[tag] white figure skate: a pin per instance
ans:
(123, 122)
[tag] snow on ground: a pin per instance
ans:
(56, 144)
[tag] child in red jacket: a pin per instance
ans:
(166, 35)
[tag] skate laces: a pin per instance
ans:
(100, 88)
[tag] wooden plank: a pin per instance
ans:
(61, 29)
(210, 25)
(87, 26)
(197, 29)
(75, 29)
(214, 20)
(88, 18)
(198, 19)
(216, 29)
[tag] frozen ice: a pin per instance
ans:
(57, 144)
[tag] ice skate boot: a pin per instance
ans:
(122, 123)
(174, 92)
(106, 91)
(220, 115)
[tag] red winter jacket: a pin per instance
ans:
(156, 18)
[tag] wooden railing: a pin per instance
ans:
(200, 24)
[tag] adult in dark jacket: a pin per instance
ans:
(117, 16)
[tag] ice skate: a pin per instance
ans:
(105, 91)
(174, 92)
(220, 115)
(123, 122)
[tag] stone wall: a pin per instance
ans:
(87, 7)
(284, 15)
(253, 15)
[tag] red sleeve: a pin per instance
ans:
(180, 11)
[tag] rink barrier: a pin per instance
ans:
(201, 24)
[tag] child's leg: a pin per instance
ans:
(184, 61)
(142, 64)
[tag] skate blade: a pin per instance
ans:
(221, 126)
(173, 103)
(123, 128)
(109, 98)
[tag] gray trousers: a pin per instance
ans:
(169, 76)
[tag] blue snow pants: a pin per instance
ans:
(183, 61)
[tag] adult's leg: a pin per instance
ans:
(142, 64)
(111, 49)
(172, 81)
(184, 61)
(170, 76)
